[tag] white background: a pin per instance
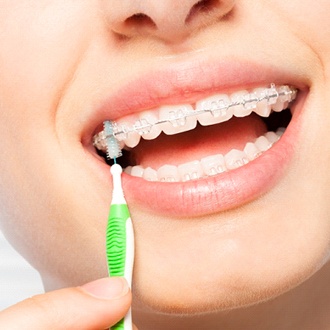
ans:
(18, 280)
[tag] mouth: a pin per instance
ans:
(213, 135)
(236, 143)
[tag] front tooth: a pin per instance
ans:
(278, 106)
(176, 120)
(168, 173)
(283, 99)
(262, 109)
(287, 96)
(142, 126)
(137, 171)
(271, 95)
(130, 139)
(128, 170)
(150, 174)
(155, 130)
(217, 110)
(213, 165)
(280, 131)
(190, 171)
(235, 158)
(262, 143)
(245, 103)
(121, 131)
(133, 139)
(272, 137)
(252, 151)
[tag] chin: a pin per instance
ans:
(247, 260)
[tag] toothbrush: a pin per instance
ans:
(119, 233)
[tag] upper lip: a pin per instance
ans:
(185, 83)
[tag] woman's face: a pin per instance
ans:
(238, 237)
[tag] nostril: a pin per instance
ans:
(202, 7)
(172, 21)
(140, 20)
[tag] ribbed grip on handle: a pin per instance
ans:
(116, 239)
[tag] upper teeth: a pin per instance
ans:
(209, 111)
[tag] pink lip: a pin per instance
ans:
(186, 84)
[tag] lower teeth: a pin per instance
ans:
(208, 166)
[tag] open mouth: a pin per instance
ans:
(220, 133)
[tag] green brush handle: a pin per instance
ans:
(120, 250)
(116, 239)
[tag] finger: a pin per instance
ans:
(96, 305)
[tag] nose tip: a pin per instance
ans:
(169, 20)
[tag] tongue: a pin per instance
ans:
(198, 143)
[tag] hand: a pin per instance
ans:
(96, 305)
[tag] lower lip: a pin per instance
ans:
(219, 193)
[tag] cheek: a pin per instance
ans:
(43, 45)
(54, 218)
(309, 20)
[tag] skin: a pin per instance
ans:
(271, 254)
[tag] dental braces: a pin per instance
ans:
(178, 118)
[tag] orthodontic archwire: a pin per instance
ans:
(119, 231)
(178, 118)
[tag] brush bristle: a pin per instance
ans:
(113, 148)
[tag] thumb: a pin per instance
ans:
(96, 305)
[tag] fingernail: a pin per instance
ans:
(107, 288)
